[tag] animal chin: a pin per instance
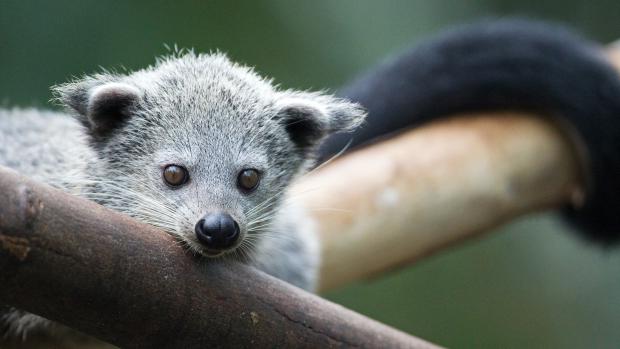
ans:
(196, 247)
(211, 253)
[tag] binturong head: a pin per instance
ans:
(200, 146)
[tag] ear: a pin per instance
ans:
(310, 117)
(100, 105)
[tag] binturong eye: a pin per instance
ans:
(248, 180)
(175, 176)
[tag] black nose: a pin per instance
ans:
(217, 231)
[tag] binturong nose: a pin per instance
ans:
(217, 231)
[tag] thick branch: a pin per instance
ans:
(97, 271)
(391, 203)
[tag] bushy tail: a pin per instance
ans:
(511, 64)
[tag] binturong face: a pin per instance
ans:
(200, 146)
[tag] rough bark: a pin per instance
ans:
(130, 284)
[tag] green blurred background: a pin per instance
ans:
(529, 285)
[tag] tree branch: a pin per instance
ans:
(392, 203)
(102, 273)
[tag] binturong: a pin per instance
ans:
(201, 147)
(197, 145)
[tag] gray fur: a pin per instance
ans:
(203, 112)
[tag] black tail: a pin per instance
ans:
(509, 64)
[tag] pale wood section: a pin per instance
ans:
(613, 53)
(391, 203)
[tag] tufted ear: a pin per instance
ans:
(310, 117)
(101, 106)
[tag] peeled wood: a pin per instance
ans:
(399, 200)
(132, 285)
